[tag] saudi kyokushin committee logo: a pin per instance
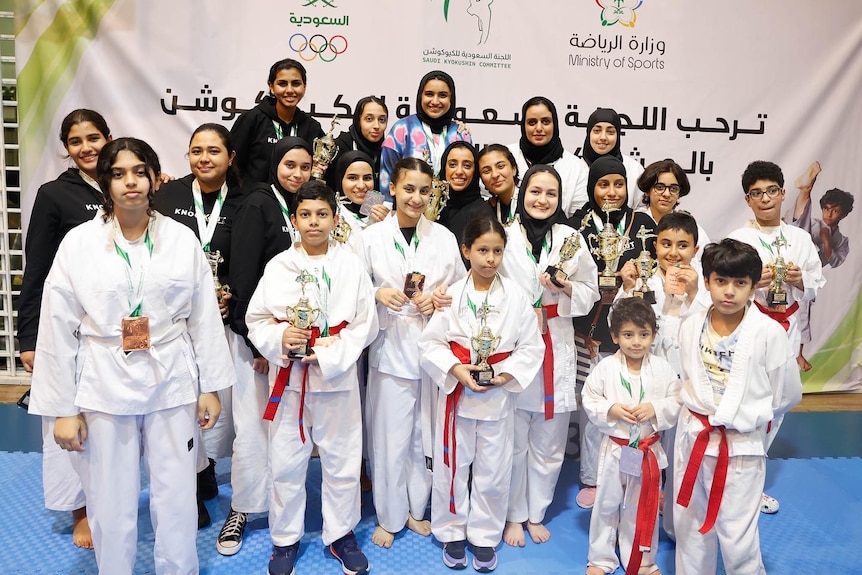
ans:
(619, 11)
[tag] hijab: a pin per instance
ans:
(604, 166)
(282, 147)
(372, 149)
(436, 124)
(547, 153)
(469, 194)
(610, 116)
(537, 229)
(341, 166)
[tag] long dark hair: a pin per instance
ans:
(108, 156)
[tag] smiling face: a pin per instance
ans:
(436, 98)
(288, 88)
(497, 174)
(539, 125)
(83, 145)
(357, 181)
(209, 160)
(611, 189)
(294, 169)
(663, 203)
(542, 196)
(674, 247)
(766, 209)
(412, 192)
(603, 137)
(460, 168)
(373, 121)
(130, 183)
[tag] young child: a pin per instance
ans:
(315, 399)
(630, 396)
(408, 257)
(738, 374)
(477, 420)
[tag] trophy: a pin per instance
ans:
(646, 267)
(302, 315)
(341, 232)
(777, 295)
(484, 344)
(567, 251)
(609, 245)
(439, 193)
(325, 150)
(214, 259)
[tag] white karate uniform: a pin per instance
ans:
(483, 423)
(763, 384)
(539, 443)
(400, 399)
(571, 169)
(617, 496)
(146, 398)
(332, 414)
(357, 224)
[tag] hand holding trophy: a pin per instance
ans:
(608, 245)
(484, 343)
(303, 315)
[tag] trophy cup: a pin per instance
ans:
(567, 251)
(439, 193)
(302, 315)
(609, 245)
(776, 297)
(484, 343)
(214, 259)
(341, 232)
(646, 267)
(325, 150)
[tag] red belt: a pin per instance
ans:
(716, 490)
(647, 502)
(782, 317)
(548, 363)
(449, 441)
(284, 376)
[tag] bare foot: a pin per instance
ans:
(593, 570)
(419, 526)
(81, 535)
(649, 570)
(804, 364)
(538, 532)
(382, 538)
(513, 534)
(807, 179)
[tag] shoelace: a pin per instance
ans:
(234, 525)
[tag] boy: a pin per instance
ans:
(738, 374)
(316, 395)
(630, 396)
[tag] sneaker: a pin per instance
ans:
(207, 484)
(454, 556)
(484, 559)
(229, 539)
(586, 497)
(353, 560)
(282, 559)
(768, 504)
(204, 520)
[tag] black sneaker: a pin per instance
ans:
(207, 483)
(454, 555)
(353, 560)
(203, 515)
(229, 539)
(282, 560)
(484, 559)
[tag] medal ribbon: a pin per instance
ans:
(136, 293)
(206, 228)
(279, 131)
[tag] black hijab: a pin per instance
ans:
(436, 124)
(610, 116)
(604, 166)
(538, 229)
(282, 147)
(547, 153)
(469, 194)
(372, 149)
(343, 162)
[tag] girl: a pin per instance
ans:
(426, 133)
(407, 257)
(354, 178)
(540, 143)
(499, 172)
(370, 118)
(128, 364)
(460, 161)
(477, 419)
(276, 117)
(262, 229)
(536, 239)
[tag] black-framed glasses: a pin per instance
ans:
(661, 188)
(771, 192)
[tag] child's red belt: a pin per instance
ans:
(716, 490)
(782, 317)
(548, 363)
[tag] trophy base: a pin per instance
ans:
(484, 376)
(557, 275)
(776, 298)
(608, 282)
(647, 296)
(303, 351)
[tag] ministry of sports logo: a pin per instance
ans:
(619, 11)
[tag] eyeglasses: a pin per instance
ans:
(771, 191)
(661, 188)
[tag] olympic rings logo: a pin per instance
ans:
(309, 49)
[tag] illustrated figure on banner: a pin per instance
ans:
(481, 9)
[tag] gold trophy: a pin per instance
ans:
(570, 247)
(439, 193)
(341, 232)
(776, 297)
(609, 245)
(302, 315)
(646, 267)
(325, 150)
(484, 343)
(214, 259)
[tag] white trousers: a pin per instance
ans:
(333, 422)
(61, 480)
(112, 477)
(249, 471)
(218, 441)
(540, 446)
(590, 436)
(400, 476)
(480, 507)
(668, 441)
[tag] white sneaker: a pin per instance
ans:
(768, 504)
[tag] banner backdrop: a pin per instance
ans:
(713, 85)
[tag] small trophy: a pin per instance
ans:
(302, 315)
(484, 343)
(214, 259)
(776, 297)
(341, 232)
(325, 150)
(439, 193)
(646, 267)
(567, 251)
(609, 245)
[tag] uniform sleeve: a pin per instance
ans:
(667, 407)
(437, 357)
(585, 286)
(812, 272)
(526, 359)
(247, 245)
(595, 402)
(782, 371)
(264, 331)
(839, 252)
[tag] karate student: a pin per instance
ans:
(738, 373)
(475, 421)
(630, 396)
(407, 257)
(763, 184)
(535, 241)
(315, 395)
(128, 363)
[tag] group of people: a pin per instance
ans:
(449, 354)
